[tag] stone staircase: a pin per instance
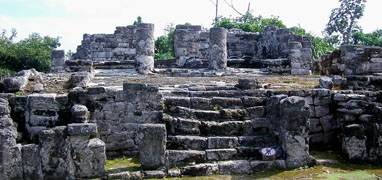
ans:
(124, 64)
(208, 124)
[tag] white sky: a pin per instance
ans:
(70, 19)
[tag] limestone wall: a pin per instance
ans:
(60, 152)
(351, 60)
(119, 112)
(131, 43)
(103, 47)
(191, 47)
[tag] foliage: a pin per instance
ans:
(32, 52)
(344, 20)
(249, 23)
(138, 21)
(369, 39)
(69, 54)
(319, 46)
(164, 45)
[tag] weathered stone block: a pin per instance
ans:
(222, 142)
(152, 145)
(220, 154)
(85, 129)
(80, 114)
(235, 167)
(183, 157)
(31, 162)
(187, 142)
(294, 114)
(201, 169)
(248, 83)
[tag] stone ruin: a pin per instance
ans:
(209, 111)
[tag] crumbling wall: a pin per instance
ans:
(131, 43)
(278, 43)
(119, 112)
(351, 60)
(103, 47)
(60, 150)
(191, 47)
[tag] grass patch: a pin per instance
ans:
(122, 164)
(359, 175)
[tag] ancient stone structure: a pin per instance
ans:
(218, 49)
(189, 127)
(274, 43)
(128, 47)
(351, 60)
(58, 61)
(59, 152)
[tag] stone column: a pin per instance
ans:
(58, 61)
(152, 146)
(218, 49)
(145, 48)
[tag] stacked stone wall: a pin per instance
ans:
(119, 112)
(351, 60)
(191, 47)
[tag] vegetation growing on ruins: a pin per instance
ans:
(32, 52)
(164, 45)
(249, 23)
(344, 20)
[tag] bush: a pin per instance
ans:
(164, 45)
(32, 52)
(249, 23)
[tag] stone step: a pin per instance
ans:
(211, 91)
(177, 125)
(232, 167)
(200, 103)
(217, 115)
(226, 127)
(230, 128)
(220, 154)
(179, 158)
(187, 142)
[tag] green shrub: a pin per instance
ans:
(32, 52)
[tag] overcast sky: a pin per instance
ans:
(70, 19)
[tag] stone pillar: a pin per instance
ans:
(56, 161)
(152, 146)
(218, 49)
(294, 131)
(31, 162)
(145, 48)
(88, 155)
(10, 152)
(58, 61)
(80, 114)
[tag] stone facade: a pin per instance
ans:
(351, 60)
(58, 61)
(132, 43)
(60, 150)
(272, 43)
(191, 46)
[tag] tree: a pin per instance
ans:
(164, 45)
(249, 23)
(369, 39)
(344, 20)
(32, 52)
(138, 21)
